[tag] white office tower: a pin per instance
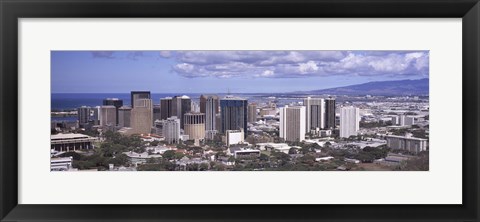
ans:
(292, 123)
(171, 129)
(315, 108)
(349, 121)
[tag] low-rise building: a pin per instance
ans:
(280, 147)
(246, 153)
(326, 158)
(61, 164)
(140, 158)
(408, 143)
(71, 142)
(234, 137)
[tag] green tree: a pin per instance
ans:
(292, 151)
(178, 155)
(264, 157)
(169, 154)
(154, 143)
(74, 155)
(203, 167)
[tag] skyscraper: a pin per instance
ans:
(315, 108)
(134, 95)
(165, 108)
(156, 112)
(330, 113)
(171, 129)
(108, 116)
(124, 114)
(142, 115)
(180, 106)
(233, 113)
(349, 121)
(96, 115)
(158, 125)
(252, 113)
(195, 125)
(210, 106)
(214, 100)
(114, 102)
(292, 123)
(195, 107)
(83, 114)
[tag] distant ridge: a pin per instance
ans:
(386, 88)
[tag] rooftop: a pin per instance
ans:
(68, 136)
(405, 137)
(231, 97)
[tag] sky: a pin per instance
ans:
(228, 71)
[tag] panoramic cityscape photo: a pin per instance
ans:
(240, 110)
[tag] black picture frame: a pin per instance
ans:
(11, 11)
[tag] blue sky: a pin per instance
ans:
(237, 71)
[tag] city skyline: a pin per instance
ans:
(223, 71)
(240, 111)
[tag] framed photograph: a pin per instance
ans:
(226, 110)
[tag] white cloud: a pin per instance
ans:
(291, 64)
(165, 54)
(309, 67)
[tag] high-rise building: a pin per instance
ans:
(233, 113)
(156, 112)
(330, 113)
(252, 113)
(134, 95)
(209, 105)
(96, 115)
(292, 123)
(83, 114)
(349, 121)
(158, 125)
(180, 106)
(401, 120)
(210, 134)
(142, 115)
(214, 102)
(268, 111)
(108, 116)
(195, 107)
(195, 125)
(165, 108)
(409, 120)
(114, 102)
(395, 120)
(124, 114)
(171, 129)
(315, 108)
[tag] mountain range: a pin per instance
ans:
(386, 88)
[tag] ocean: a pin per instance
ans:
(71, 101)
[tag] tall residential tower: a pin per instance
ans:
(349, 121)
(292, 123)
(315, 113)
